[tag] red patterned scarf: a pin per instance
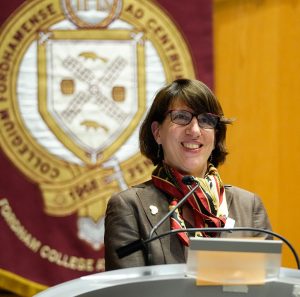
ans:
(208, 202)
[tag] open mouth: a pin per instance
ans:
(192, 146)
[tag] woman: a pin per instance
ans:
(183, 134)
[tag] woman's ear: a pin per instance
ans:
(155, 131)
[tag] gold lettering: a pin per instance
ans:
(170, 48)
(7, 56)
(44, 251)
(165, 40)
(176, 67)
(174, 57)
(71, 262)
(137, 13)
(34, 20)
(151, 24)
(4, 66)
(80, 191)
(15, 225)
(19, 36)
(9, 126)
(3, 88)
(25, 27)
(50, 9)
(42, 14)
(4, 114)
(12, 46)
(17, 140)
(23, 150)
(3, 77)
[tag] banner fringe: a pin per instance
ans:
(19, 285)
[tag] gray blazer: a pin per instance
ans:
(129, 218)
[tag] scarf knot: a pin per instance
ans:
(207, 204)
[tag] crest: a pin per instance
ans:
(91, 90)
(80, 78)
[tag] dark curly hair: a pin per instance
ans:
(196, 95)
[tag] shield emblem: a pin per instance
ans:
(90, 94)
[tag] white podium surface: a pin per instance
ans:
(169, 280)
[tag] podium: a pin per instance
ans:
(166, 281)
(261, 276)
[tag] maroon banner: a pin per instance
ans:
(73, 89)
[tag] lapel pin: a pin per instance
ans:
(153, 209)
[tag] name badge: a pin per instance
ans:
(229, 223)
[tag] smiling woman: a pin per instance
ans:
(183, 134)
(193, 132)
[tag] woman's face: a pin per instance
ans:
(186, 148)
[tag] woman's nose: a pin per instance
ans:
(193, 127)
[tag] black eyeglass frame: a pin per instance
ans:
(211, 115)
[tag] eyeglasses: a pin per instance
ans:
(184, 117)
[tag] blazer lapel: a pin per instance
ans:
(152, 198)
(229, 196)
(155, 205)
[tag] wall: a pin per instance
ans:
(256, 49)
